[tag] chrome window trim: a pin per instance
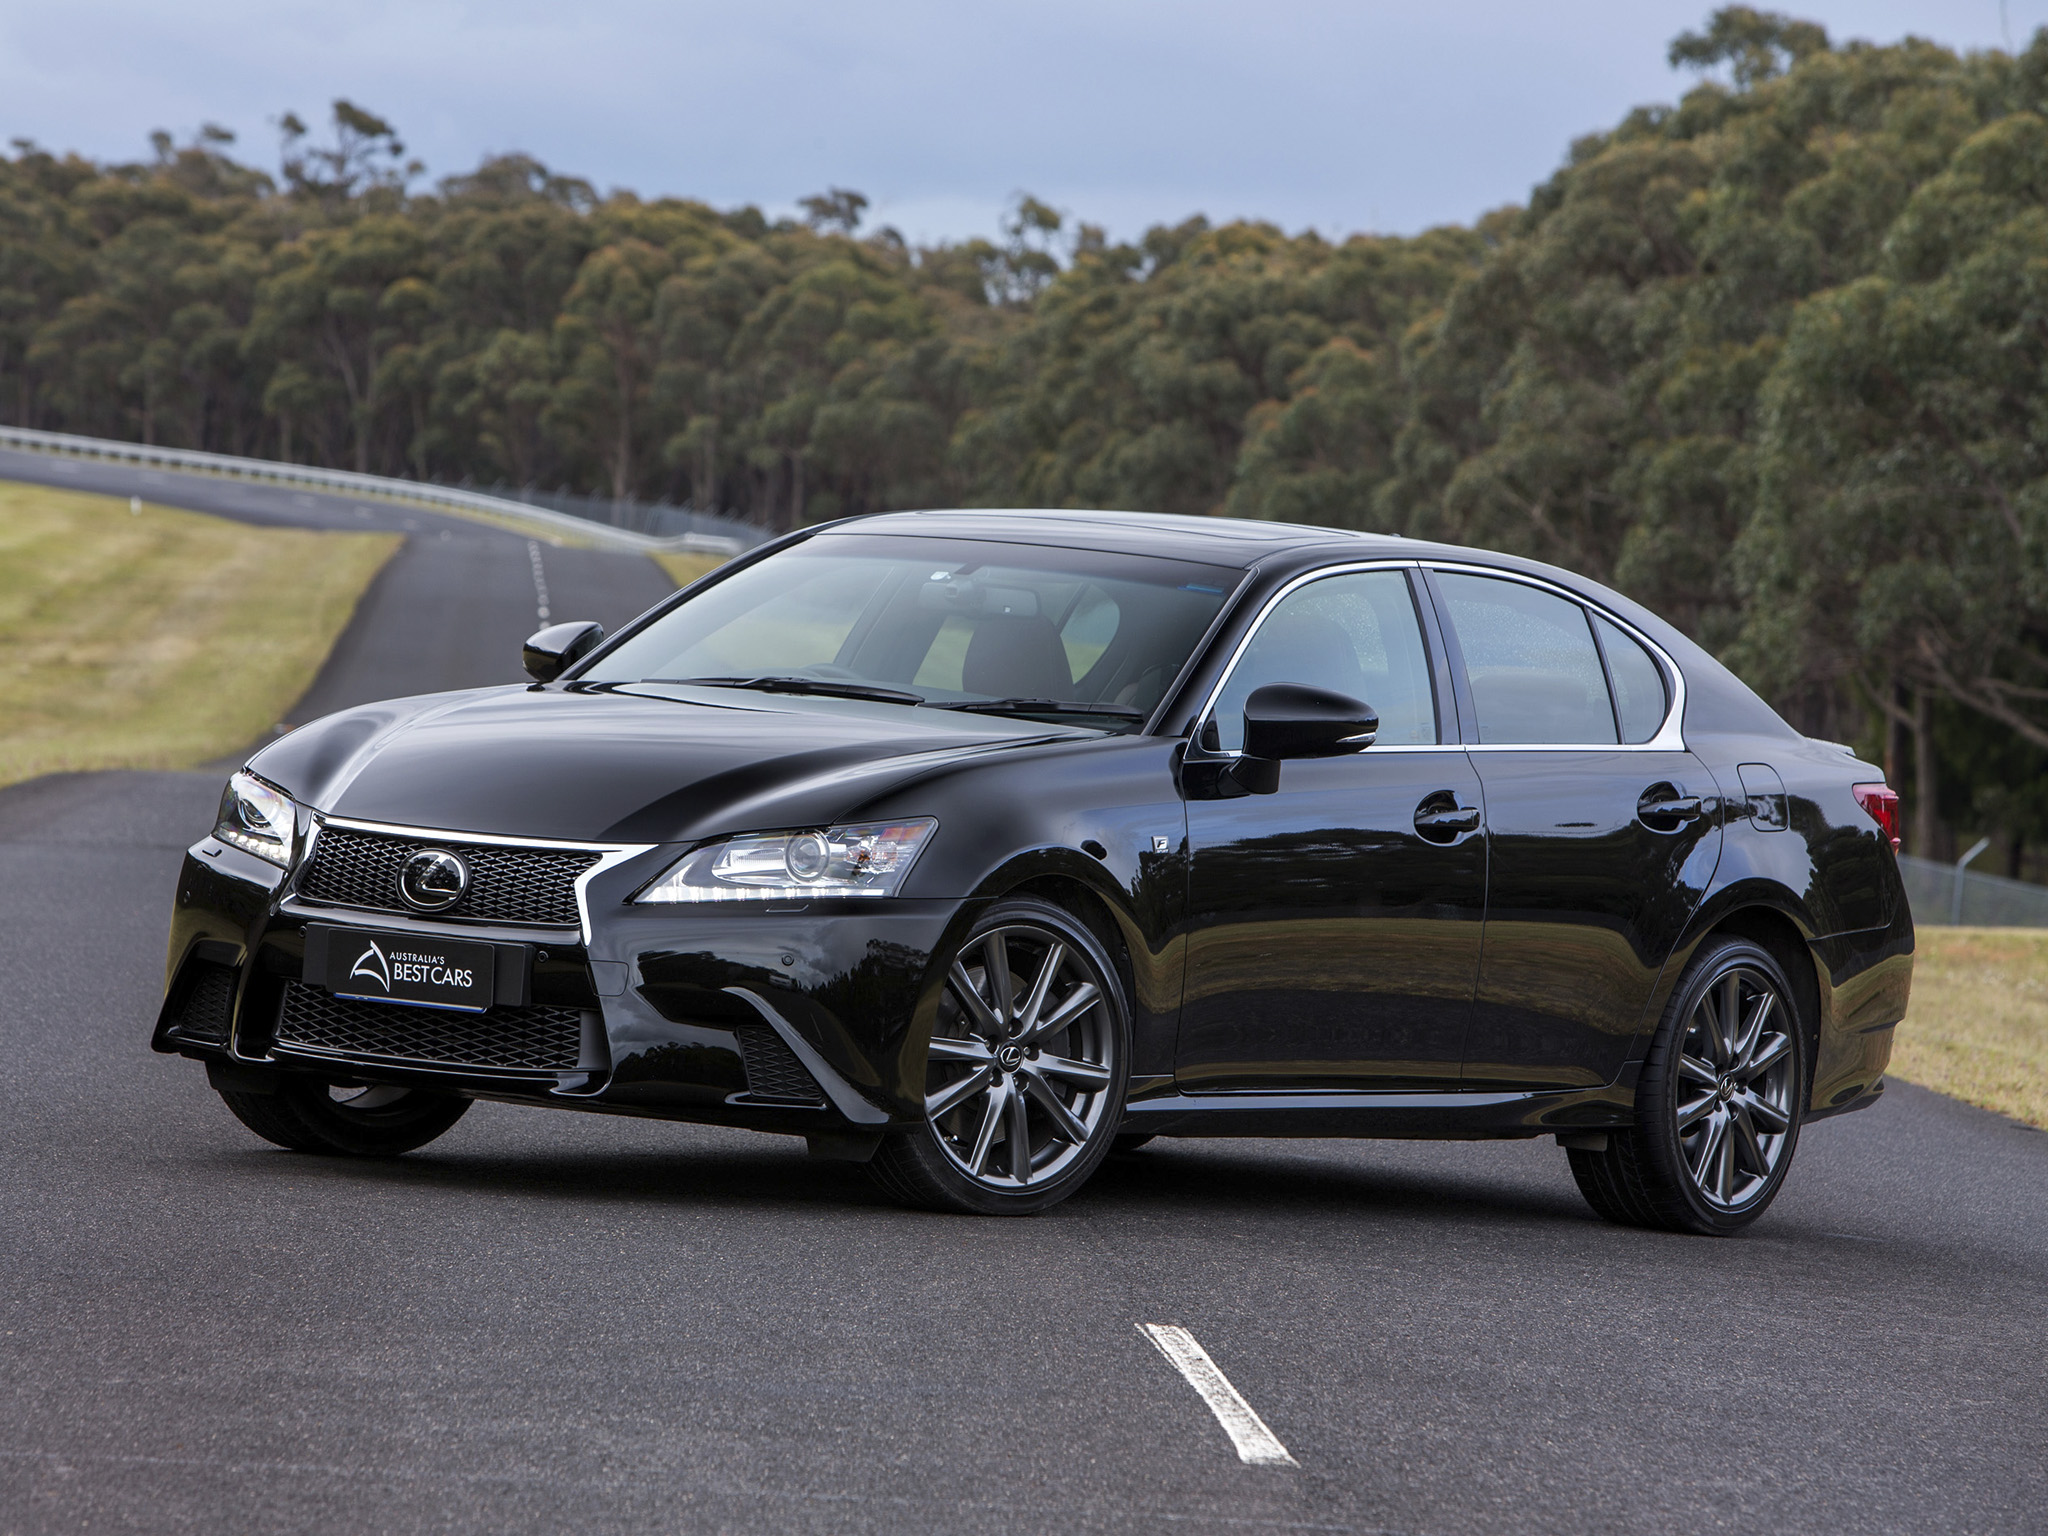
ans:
(610, 856)
(1670, 735)
(1400, 746)
(1348, 568)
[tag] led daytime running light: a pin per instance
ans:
(257, 819)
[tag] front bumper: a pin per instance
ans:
(805, 1018)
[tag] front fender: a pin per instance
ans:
(1145, 908)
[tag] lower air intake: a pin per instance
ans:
(773, 1072)
(204, 1016)
(534, 1039)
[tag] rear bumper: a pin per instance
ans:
(1865, 981)
(797, 1019)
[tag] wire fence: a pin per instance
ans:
(1988, 901)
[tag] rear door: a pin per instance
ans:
(1603, 830)
(1334, 924)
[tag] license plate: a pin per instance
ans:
(381, 967)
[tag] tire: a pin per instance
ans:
(1025, 1073)
(1718, 1104)
(309, 1116)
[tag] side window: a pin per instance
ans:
(1640, 700)
(1535, 674)
(947, 658)
(805, 624)
(1355, 634)
(1091, 623)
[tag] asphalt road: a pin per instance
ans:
(547, 1321)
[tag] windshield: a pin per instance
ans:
(955, 623)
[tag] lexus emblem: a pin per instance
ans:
(433, 880)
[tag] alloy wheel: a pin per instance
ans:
(1020, 1072)
(1736, 1078)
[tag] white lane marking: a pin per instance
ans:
(1257, 1445)
(540, 578)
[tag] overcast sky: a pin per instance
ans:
(1341, 116)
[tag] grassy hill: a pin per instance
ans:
(158, 639)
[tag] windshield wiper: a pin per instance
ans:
(823, 686)
(1043, 707)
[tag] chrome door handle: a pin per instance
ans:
(1662, 802)
(1438, 820)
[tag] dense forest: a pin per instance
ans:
(1773, 359)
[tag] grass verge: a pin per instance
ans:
(162, 639)
(685, 568)
(1977, 1028)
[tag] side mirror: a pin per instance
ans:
(547, 655)
(1283, 720)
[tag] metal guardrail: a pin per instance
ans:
(1942, 894)
(440, 497)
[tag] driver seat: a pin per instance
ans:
(1017, 656)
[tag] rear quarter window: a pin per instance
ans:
(1640, 698)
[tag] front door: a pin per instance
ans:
(1603, 832)
(1334, 924)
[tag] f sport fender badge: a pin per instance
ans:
(371, 963)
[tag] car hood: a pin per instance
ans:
(642, 765)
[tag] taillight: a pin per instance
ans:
(1883, 805)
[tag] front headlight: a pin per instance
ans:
(870, 859)
(257, 819)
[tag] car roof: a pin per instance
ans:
(1227, 541)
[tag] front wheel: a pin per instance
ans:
(350, 1120)
(1717, 1109)
(1025, 1073)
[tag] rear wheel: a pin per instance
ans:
(1025, 1073)
(346, 1119)
(1717, 1109)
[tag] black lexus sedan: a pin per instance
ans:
(979, 846)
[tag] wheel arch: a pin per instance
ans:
(1079, 886)
(1146, 962)
(1773, 930)
(1084, 904)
